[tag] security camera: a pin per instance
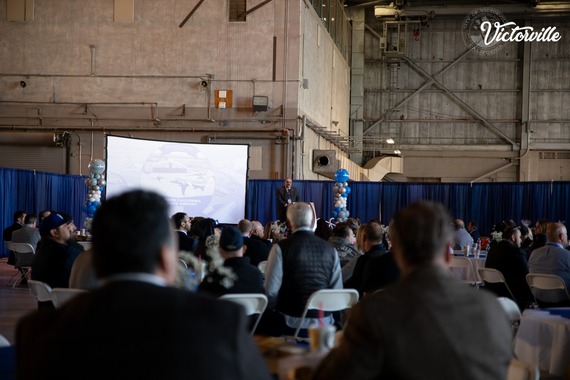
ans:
(204, 84)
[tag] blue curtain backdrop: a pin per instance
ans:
(487, 203)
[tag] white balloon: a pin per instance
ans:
(92, 181)
(91, 199)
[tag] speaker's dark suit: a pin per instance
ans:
(284, 197)
(137, 330)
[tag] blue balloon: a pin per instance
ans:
(334, 214)
(344, 195)
(347, 189)
(95, 203)
(338, 209)
(341, 175)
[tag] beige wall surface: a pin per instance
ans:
(80, 68)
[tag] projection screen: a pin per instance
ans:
(207, 180)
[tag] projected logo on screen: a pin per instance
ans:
(199, 179)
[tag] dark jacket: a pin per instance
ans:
(355, 281)
(185, 242)
(256, 250)
(249, 279)
(308, 266)
(380, 271)
(511, 262)
(53, 261)
(137, 330)
(284, 197)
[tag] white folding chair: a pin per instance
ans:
(494, 276)
(512, 312)
(24, 254)
(462, 269)
(261, 266)
(59, 296)
(254, 303)
(40, 290)
(519, 370)
(546, 282)
(329, 300)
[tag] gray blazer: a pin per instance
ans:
(28, 235)
(427, 326)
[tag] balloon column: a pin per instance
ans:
(95, 184)
(341, 191)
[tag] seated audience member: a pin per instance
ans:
(43, 214)
(343, 240)
(348, 268)
(256, 249)
(473, 229)
(293, 273)
(182, 226)
(19, 218)
(83, 272)
(372, 237)
(539, 239)
(462, 237)
(507, 257)
(552, 258)
(28, 233)
(137, 326)
(428, 325)
(56, 251)
(202, 229)
(246, 278)
(526, 240)
(323, 229)
(258, 233)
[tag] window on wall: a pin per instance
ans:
(237, 8)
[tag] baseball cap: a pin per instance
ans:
(231, 239)
(53, 220)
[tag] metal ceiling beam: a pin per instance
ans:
(430, 81)
(461, 102)
(191, 13)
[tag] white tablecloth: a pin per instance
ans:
(544, 340)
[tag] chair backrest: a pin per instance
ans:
(59, 296)
(24, 254)
(40, 290)
(329, 300)
(261, 266)
(463, 263)
(519, 370)
(494, 276)
(254, 303)
(545, 281)
(23, 248)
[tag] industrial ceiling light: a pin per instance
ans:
(390, 141)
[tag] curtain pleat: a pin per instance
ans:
(487, 203)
